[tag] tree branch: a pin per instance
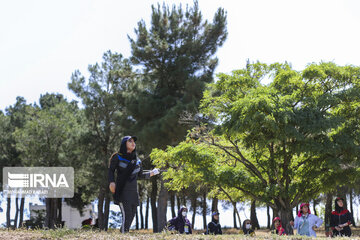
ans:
(247, 163)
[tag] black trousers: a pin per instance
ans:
(128, 211)
(345, 232)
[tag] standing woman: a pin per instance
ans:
(305, 222)
(341, 219)
(129, 170)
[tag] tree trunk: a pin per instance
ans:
(204, 209)
(162, 206)
(153, 204)
(194, 207)
(253, 217)
(101, 208)
(286, 216)
(314, 206)
(328, 210)
(183, 200)
(16, 212)
(178, 202)
(8, 206)
(237, 213)
(268, 217)
(107, 210)
(147, 212)
(214, 205)
(136, 220)
(51, 212)
(234, 215)
(22, 203)
(59, 212)
(172, 203)
(233, 203)
(47, 216)
(49, 222)
(141, 216)
(351, 207)
(275, 212)
(54, 212)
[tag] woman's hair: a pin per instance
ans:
(123, 148)
(244, 225)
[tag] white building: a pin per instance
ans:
(70, 215)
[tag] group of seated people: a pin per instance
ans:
(305, 223)
(181, 224)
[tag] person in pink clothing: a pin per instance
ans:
(278, 229)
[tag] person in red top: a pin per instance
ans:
(278, 229)
(341, 219)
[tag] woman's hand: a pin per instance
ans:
(291, 223)
(154, 172)
(338, 228)
(314, 227)
(112, 187)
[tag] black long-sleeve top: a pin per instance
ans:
(128, 170)
(214, 227)
(338, 218)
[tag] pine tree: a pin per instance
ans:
(176, 59)
(176, 56)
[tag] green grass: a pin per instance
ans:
(65, 233)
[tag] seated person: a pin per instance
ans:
(246, 227)
(341, 219)
(180, 223)
(214, 226)
(277, 227)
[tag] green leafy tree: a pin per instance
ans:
(4, 159)
(288, 137)
(279, 143)
(15, 118)
(48, 139)
(103, 97)
(4, 133)
(176, 60)
(194, 166)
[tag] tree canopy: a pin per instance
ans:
(281, 142)
(176, 60)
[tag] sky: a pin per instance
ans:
(43, 42)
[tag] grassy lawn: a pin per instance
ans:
(64, 233)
